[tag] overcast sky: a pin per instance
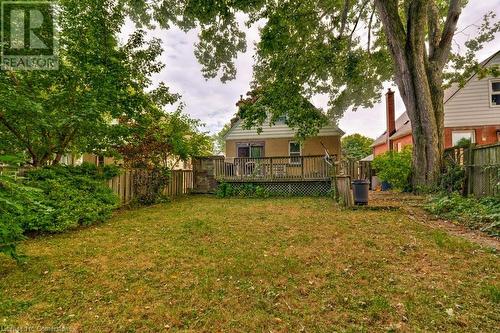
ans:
(214, 102)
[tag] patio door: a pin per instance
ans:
(256, 151)
(250, 150)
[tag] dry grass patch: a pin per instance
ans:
(280, 265)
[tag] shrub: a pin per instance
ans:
(150, 185)
(453, 178)
(74, 195)
(262, 192)
(224, 190)
(18, 203)
(395, 168)
(246, 191)
(481, 214)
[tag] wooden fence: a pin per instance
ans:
(482, 168)
(180, 183)
(15, 172)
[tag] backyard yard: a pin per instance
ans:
(253, 265)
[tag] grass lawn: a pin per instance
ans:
(252, 265)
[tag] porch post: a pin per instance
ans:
(302, 164)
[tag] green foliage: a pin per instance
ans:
(309, 47)
(161, 140)
(150, 184)
(395, 168)
(356, 147)
(218, 140)
(463, 143)
(13, 209)
(493, 293)
(224, 190)
(75, 195)
(481, 214)
(52, 200)
(48, 114)
(453, 178)
(12, 160)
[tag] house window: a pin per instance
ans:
(294, 151)
(100, 160)
(460, 136)
(495, 93)
(250, 150)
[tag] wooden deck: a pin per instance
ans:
(272, 169)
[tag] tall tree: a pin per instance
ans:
(52, 113)
(344, 48)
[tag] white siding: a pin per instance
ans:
(278, 130)
(470, 106)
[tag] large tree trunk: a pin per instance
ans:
(418, 74)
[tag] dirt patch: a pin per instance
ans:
(412, 205)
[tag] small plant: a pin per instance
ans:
(453, 178)
(262, 192)
(224, 190)
(395, 168)
(481, 214)
(150, 184)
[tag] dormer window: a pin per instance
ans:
(495, 93)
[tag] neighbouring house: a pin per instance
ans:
(470, 112)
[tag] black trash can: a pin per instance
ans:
(360, 189)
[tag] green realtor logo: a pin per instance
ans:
(28, 36)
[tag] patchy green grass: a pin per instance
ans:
(251, 265)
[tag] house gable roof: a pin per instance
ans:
(276, 131)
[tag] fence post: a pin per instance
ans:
(470, 170)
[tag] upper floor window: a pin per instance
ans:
(495, 93)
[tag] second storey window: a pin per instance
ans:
(495, 93)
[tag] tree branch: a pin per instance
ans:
(434, 33)
(370, 30)
(19, 137)
(388, 12)
(343, 22)
(442, 52)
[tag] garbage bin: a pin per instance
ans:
(360, 189)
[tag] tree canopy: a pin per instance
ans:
(356, 147)
(163, 140)
(82, 107)
(343, 48)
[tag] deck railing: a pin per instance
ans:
(287, 168)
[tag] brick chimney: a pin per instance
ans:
(391, 116)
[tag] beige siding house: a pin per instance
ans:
(278, 141)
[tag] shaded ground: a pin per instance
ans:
(251, 265)
(412, 206)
